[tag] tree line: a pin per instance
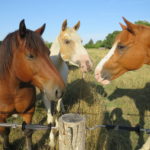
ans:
(109, 39)
(106, 43)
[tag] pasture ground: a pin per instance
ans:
(126, 101)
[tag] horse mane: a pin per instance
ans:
(6, 52)
(33, 42)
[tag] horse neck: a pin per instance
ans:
(55, 48)
(56, 56)
(10, 81)
(147, 58)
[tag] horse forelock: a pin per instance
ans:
(71, 36)
(33, 42)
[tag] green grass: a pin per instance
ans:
(126, 101)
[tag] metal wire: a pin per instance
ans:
(27, 126)
(46, 127)
(95, 127)
(119, 127)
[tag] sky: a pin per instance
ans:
(97, 17)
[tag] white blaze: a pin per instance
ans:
(106, 58)
(99, 67)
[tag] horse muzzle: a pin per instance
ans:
(104, 76)
(85, 66)
(53, 94)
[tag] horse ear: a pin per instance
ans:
(77, 26)
(64, 25)
(22, 29)
(41, 29)
(123, 26)
(130, 26)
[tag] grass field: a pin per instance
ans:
(126, 101)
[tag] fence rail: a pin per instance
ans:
(137, 129)
(46, 127)
(26, 126)
(72, 130)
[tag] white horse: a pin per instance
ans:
(66, 48)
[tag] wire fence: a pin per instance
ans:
(136, 129)
(23, 126)
(27, 126)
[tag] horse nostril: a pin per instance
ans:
(87, 63)
(106, 75)
(89, 67)
(56, 93)
(59, 93)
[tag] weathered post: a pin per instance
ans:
(71, 132)
(146, 145)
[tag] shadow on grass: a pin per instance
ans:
(40, 145)
(99, 89)
(142, 102)
(114, 139)
(39, 101)
(76, 90)
(18, 144)
(81, 89)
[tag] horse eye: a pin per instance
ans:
(120, 47)
(30, 56)
(67, 41)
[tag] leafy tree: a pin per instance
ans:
(143, 22)
(48, 44)
(0, 42)
(107, 43)
(98, 44)
(109, 40)
(90, 44)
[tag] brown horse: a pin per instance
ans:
(130, 51)
(25, 63)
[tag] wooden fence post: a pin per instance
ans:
(146, 145)
(71, 132)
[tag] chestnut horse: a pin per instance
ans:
(22, 57)
(130, 51)
(66, 49)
